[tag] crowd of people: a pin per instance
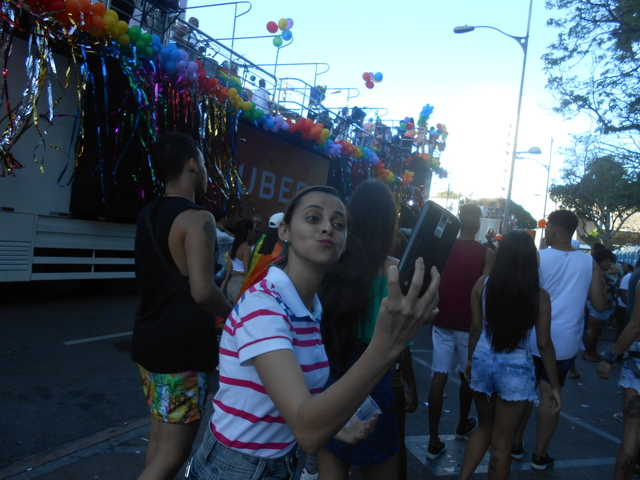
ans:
(313, 323)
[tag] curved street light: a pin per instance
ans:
(524, 43)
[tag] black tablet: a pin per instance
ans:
(432, 239)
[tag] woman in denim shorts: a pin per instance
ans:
(505, 307)
(626, 460)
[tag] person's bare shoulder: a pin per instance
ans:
(192, 221)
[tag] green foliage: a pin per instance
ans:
(448, 194)
(523, 218)
(593, 65)
(598, 189)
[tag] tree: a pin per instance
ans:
(524, 219)
(594, 65)
(598, 189)
(448, 194)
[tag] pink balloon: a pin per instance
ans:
(369, 84)
(272, 27)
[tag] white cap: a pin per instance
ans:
(275, 220)
(575, 244)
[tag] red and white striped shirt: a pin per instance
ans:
(270, 316)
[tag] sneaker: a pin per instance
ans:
(542, 463)
(517, 453)
(619, 416)
(308, 476)
(472, 424)
(434, 452)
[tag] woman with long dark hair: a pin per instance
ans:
(505, 307)
(351, 292)
(273, 364)
(238, 260)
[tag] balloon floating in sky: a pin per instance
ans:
(370, 79)
(284, 25)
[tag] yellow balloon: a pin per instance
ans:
(109, 23)
(122, 26)
(283, 24)
(111, 13)
(246, 105)
(233, 92)
(124, 39)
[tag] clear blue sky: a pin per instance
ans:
(472, 80)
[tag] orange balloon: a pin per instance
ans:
(85, 6)
(98, 8)
(97, 22)
(542, 223)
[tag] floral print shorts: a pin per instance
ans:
(175, 397)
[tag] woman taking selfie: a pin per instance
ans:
(505, 307)
(272, 361)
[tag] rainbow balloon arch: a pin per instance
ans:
(173, 91)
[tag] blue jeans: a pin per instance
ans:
(215, 461)
(510, 375)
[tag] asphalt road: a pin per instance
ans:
(71, 404)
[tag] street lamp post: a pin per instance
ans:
(523, 42)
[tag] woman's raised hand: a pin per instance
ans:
(401, 316)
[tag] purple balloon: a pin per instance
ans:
(192, 67)
(289, 23)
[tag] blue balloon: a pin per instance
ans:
(155, 39)
(287, 35)
(172, 46)
(165, 54)
(169, 67)
(175, 55)
(378, 76)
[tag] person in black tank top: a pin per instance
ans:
(174, 338)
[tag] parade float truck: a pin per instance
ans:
(80, 112)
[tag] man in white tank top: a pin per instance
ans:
(570, 276)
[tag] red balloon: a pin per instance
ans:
(366, 76)
(369, 84)
(272, 27)
(410, 126)
(56, 6)
(199, 65)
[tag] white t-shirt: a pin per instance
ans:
(269, 316)
(567, 278)
(261, 99)
(624, 285)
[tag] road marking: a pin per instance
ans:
(95, 339)
(450, 461)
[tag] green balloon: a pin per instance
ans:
(277, 41)
(146, 38)
(134, 33)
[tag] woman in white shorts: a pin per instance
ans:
(504, 309)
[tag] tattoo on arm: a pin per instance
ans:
(210, 232)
